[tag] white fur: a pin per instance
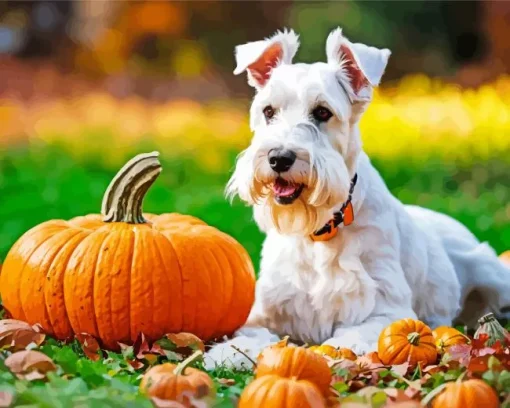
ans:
(393, 262)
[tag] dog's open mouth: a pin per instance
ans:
(286, 192)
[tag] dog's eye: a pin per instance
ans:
(268, 112)
(321, 114)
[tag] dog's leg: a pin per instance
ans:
(393, 301)
(363, 337)
(251, 339)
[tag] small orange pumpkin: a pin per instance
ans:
(111, 275)
(275, 391)
(334, 352)
(294, 362)
(407, 340)
(177, 382)
(445, 337)
(472, 393)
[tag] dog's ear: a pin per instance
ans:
(259, 58)
(362, 65)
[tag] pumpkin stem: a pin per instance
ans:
(461, 377)
(122, 201)
(489, 317)
(414, 338)
(179, 370)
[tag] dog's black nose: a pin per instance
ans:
(281, 160)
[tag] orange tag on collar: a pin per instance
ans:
(348, 220)
(326, 236)
(348, 214)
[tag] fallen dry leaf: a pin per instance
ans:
(185, 341)
(400, 369)
(90, 346)
(29, 364)
(460, 353)
(397, 395)
(142, 349)
(140, 346)
(16, 335)
(226, 381)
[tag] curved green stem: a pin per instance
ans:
(179, 370)
(122, 201)
(414, 338)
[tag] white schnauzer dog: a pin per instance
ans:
(343, 258)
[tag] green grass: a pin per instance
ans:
(44, 182)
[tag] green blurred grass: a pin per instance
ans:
(42, 182)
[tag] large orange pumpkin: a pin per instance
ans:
(125, 272)
(472, 393)
(407, 340)
(274, 391)
(294, 362)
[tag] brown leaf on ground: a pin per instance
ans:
(6, 399)
(142, 349)
(369, 361)
(226, 381)
(135, 364)
(460, 353)
(185, 341)
(397, 395)
(413, 391)
(90, 346)
(356, 385)
(400, 369)
(480, 342)
(29, 364)
(17, 335)
(433, 369)
(140, 346)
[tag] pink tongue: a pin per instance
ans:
(284, 191)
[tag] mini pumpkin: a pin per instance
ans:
(407, 340)
(177, 382)
(276, 391)
(335, 353)
(489, 325)
(294, 362)
(445, 337)
(472, 393)
(125, 272)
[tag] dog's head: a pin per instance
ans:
(306, 142)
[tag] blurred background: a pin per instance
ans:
(84, 85)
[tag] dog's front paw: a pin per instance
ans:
(226, 355)
(353, 340)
